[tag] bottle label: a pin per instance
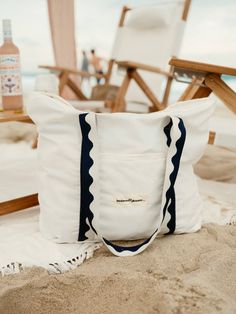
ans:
(10, 75)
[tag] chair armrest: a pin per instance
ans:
(71, 71)
(181, 65)
(130, 65)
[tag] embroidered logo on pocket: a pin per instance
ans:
(130, 201)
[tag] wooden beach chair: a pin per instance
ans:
(204, 79)
(143, 52)
(147, 36)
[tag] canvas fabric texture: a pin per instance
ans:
(122, 176)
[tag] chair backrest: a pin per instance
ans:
(150, 35)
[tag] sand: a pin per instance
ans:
(191, 273)
(218, 164)
(194, 273)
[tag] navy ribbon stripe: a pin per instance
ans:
(86, 180)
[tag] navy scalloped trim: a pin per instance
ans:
(167, 129)
(86, 162)
(170, 204)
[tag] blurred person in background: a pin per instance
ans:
(85, 64)
(96, 62)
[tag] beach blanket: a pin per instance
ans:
(22, 246)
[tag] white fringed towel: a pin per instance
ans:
(21, 246)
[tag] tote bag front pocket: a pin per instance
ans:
(131, 188)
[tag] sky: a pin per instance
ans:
(210, 34)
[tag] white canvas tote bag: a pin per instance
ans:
(121, 176)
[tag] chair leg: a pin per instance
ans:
(76, 90)
(167, 91)
(120, 104)
(223, 91)
(193, 89)
(168, 87)
(35, 142)
(63, 77)
(109, 72)
(211, 139)
(189, 92)
(147, 91)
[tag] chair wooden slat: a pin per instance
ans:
(200, 67)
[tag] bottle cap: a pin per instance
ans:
(6, 25)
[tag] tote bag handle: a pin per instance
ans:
(176, 133)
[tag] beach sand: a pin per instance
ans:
(217, 164)
(190, 273)
(194, 273)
